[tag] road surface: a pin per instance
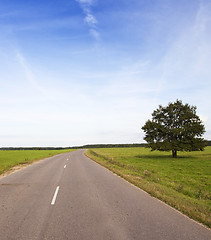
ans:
(71, 197)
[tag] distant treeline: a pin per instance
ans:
(84, 146)
(76, 147)
(111, 145)
(118, 145)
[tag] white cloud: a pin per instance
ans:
(90, 19)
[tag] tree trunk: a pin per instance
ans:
(174, 153)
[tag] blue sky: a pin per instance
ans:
(76, 72)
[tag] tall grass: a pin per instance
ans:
(184, 182)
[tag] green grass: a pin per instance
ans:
(184, 182)
(11, 158)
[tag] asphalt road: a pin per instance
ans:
(71, 197)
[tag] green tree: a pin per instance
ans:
(175, 128)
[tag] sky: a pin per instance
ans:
(75, 72)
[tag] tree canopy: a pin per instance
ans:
(175, 128)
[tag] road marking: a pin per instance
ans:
(55, 195)
(65, 166)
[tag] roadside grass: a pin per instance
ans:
(12, 158)
(184, 183)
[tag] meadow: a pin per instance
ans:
(11, 158)
(184, 182)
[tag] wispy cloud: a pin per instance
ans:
(90, 18)
(28, 73)
(189, 55)
(95, 34)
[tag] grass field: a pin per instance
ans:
(11, 158)
(184, 182)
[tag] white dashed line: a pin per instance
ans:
(55, 195)
(65, 166)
